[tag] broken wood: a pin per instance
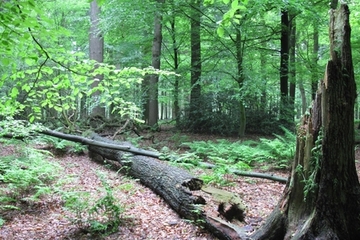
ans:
(230, 206)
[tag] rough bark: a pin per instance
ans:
(176, 57)
(314, 74)
(321, 199)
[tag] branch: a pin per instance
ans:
(248, 174)
(46, 52)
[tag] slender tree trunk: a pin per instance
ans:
(321, 200)
(195, 41)
(145, 85)
(153, 81)
(292, 64)
(284, 68)
(96, 52)
(176, 108)
(263, 98)
(240, 79)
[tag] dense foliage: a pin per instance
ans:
(46, 75)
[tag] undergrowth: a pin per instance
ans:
(241, 155)
(25, 177)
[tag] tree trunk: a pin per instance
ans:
(153, 81)
(321, 200)
(176, 107)
(239, 46)
(173, 184)
(195, 41)
(96, 52)
(284, 68)
(292, 62)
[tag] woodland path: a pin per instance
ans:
(149, 217)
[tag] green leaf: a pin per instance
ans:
(14, 92)
(234, 4)
(220, 31)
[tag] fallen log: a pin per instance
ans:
(176, 186)
(138, 151)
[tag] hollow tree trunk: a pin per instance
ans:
(321, 200)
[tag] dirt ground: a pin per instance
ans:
(147, 216)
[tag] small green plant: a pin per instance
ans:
(103, 216)
(178, 138)
(310, 185)
(2, 222)
(198, 218)
(221, 151)
(25, 176)
(186, 160)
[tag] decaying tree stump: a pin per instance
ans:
(321, 200)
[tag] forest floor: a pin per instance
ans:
(146, 215)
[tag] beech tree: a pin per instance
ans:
(96, 52)
(195, 41)
(153, 111)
